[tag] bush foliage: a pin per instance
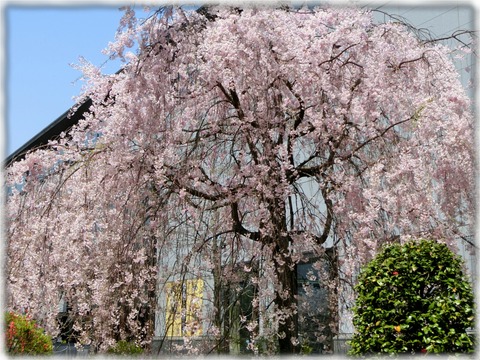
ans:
(124, 347)
(413, 298)
(23, 336)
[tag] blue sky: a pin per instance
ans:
(41, 42)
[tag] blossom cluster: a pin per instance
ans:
(238, 139)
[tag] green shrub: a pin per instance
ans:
(413, 298)
(124, 347)
(24, 336)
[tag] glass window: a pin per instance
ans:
(184, 304)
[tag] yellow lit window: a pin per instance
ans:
(183, 308)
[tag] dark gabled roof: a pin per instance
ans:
(51, 132)
(63, 124)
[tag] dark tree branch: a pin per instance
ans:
(238, 226)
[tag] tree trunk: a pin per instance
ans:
(286, 298)
(220, 290)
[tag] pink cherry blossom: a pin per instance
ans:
(233, 150)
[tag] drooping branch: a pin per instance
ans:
(238, 226)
